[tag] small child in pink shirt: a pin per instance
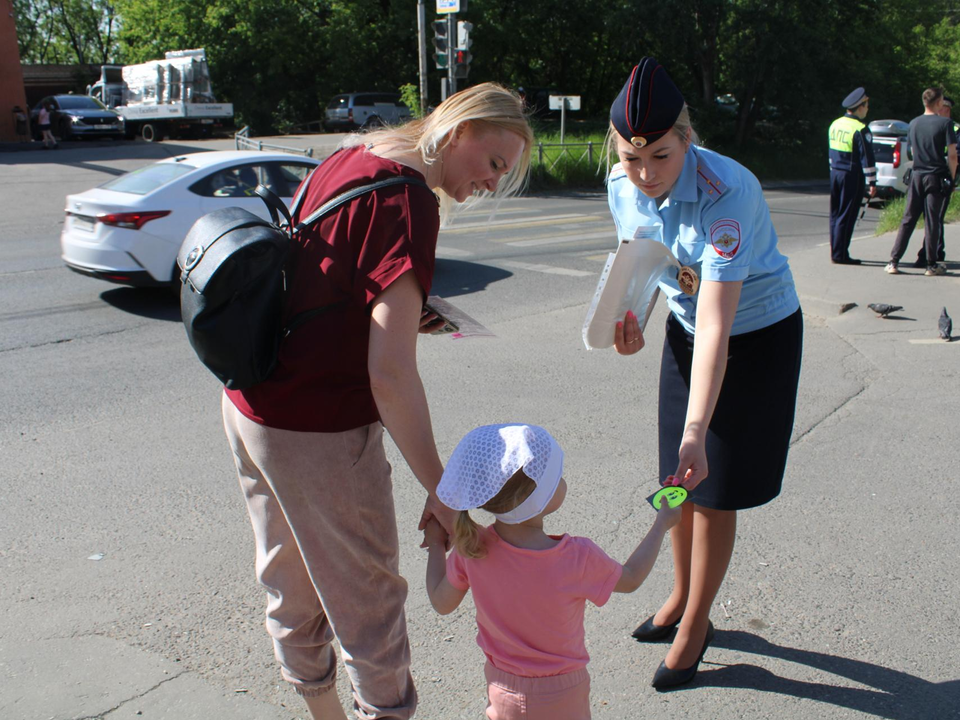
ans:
(529, 588)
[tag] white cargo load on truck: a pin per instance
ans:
(163, 97)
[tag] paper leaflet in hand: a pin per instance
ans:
(628, 282)
(458, 324)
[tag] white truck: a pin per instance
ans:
(164, 98)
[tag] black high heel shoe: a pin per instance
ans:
(648, 632)
(665, 678)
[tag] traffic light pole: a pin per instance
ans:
(422, 41)
(451, 52)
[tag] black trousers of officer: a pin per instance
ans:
(926, 196)
(846, 194)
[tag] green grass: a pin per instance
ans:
(556, 169)
(892, 213)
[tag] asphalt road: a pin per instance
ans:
(124, 533)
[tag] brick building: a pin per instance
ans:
(11, 76)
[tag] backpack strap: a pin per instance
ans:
(274, 204)
(354, 193)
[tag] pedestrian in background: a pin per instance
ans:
(20, 123)
(930, 184)
(851, 168)
(921, 260)
(43, 120)
(731, 356)
(308, 441)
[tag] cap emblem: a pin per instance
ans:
(638, 141)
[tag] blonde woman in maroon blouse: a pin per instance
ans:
(308, 442)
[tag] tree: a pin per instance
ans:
(66, 31)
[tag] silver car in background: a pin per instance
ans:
(353, 111)
(893, 156)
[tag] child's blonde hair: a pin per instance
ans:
(466, 533)
(488, 106)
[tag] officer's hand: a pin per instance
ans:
(627, 336)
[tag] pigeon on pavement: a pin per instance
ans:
(945, 325)
(882, 309)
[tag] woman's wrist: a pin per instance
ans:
(694, 431)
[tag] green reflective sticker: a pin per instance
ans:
(674, 495)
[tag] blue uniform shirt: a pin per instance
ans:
(716, 221)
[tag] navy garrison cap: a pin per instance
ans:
(854, 98)
(648, 105)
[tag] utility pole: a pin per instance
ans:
(451, 35)
(422, 36)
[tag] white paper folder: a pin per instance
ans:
(628, 282)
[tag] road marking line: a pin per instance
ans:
(447, 252)
(511, 224)
(546, 269)
(499, 211)
(558, 239)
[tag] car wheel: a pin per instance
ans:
(151, 132)
(372, 122)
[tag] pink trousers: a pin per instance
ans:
(559, 697)
(327, 553)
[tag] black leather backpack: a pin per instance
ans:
(234, 268)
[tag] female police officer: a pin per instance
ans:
(731, 356)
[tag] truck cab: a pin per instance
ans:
(109, 88)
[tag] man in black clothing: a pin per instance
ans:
(941, 249)
(931, 183)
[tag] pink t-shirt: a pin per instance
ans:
(530, 602)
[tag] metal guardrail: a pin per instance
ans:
(243, 141)
(567, 150)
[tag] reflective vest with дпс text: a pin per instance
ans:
(850, 147)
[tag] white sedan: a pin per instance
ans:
(128, 230)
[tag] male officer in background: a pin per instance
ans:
(921, 260)
(851, 167)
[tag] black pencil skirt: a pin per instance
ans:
(749, 435)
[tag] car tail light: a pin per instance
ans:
(896, 155)
(131, 220)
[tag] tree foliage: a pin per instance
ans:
(787, 63)
(66, 31)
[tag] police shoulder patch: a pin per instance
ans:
(725, 237)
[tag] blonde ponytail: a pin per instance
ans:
(466, 537)
(466, 533)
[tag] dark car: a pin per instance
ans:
(76, 116)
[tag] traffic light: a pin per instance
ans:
(461, 63)
(440, 43)
(463, 35)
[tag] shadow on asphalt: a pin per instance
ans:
(459, 277)
(152, 303)
(450, 278)
(78, 153)
(889, 693)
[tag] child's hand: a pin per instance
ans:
(434, 534)
(667, 516)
